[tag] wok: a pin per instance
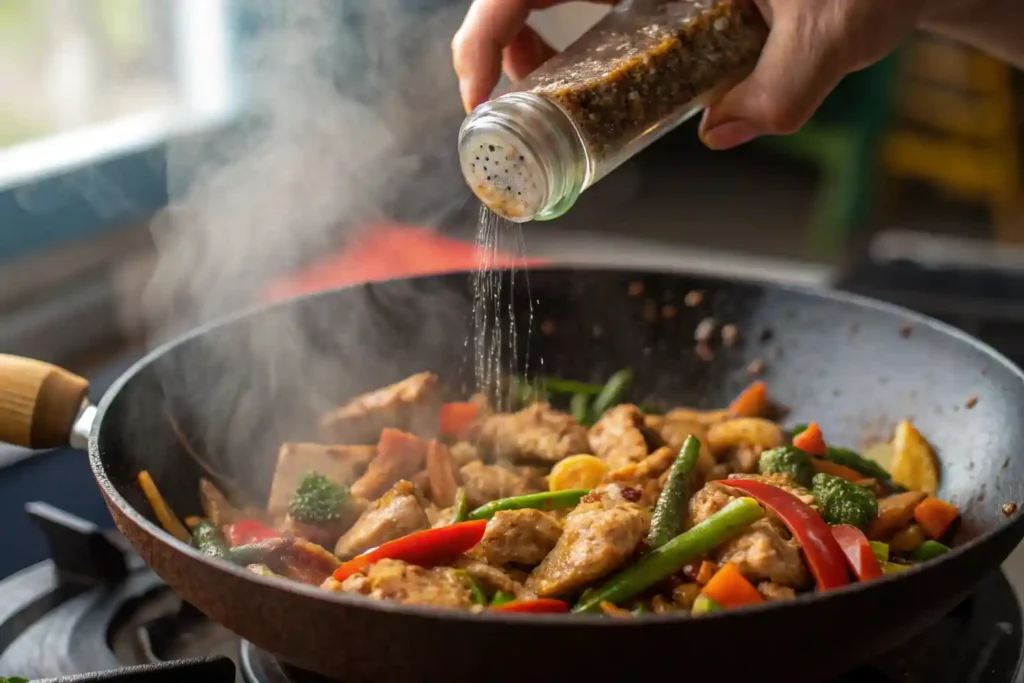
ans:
(220, 401)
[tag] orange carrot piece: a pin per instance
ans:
(457, 417)
(811, 441)
(706, 571)
(396, 443)
(751, 402)
(729, 588)
(836, 470)
(935, 516)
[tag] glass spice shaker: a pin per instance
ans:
(643, 69)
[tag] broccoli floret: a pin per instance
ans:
(318, 500)
(844, 502)
(788, 460)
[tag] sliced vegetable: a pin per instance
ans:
(914, 464)
(249, 531)
(844, 502)
(577, 472)
(811, 441)
(475, 591)
(640, 610)
(662, 562)
(460, 510)
(929, 550)
(704, 605)
(501, 598)
(751, 402)
(192, 520)
(881, 550)
(788, 460)
(668, 511)
(258, 552)
(537, 606)
(613, 392)
(557, 385)
(729, 588)
(425, 548)
(168, 520)
(579, 408)
(527, 393)
(857, 462)
(895, 512)
(797, 429)
(551, 500)
(906, 540)
(881, 454)
(456, 418)
(824, 556)
(208, 540)
(261, 569)
(821, 465)
(935, 516)
(858, 551)
(893, 568)
(318, 500)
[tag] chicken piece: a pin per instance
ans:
(463, 453)
(411, 405)
(443, 473)
(492, 579)
(399, 456)
(773, 591)
(408, 584)
(397, 513)
(708, 418)
(618, 437)
(598, 536)
(520, 537)
(674, 430)
(762, 552)
(341, 464)
(484, 483)
(895, 514)
(538, 433)
(304, 561)
(216, 507)
(648, 475)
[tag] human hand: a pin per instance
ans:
(812, 45)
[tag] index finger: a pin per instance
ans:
(489, 26)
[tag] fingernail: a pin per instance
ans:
(464, 94)
(728, 135)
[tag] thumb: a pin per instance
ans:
(795, 72)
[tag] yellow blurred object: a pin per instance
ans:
(881, 453)
(914, 464)
(577, 472)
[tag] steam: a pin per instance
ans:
(350, 117)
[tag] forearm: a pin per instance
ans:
(992, 26)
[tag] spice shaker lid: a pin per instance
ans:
(502, 170)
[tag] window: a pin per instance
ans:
(91, 90)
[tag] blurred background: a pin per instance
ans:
(135, 148)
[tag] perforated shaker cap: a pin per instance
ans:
(502, 170)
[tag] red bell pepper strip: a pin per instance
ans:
(248, 531)
(824, 556)
(811, 441)
(456, 418)
(538, 606)
(424, 548)
(859, 553)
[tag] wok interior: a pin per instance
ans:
(220, 403)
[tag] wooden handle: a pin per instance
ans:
(38, 402)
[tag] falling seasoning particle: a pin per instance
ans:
(755, 367)
(906, 330)
(766, 335)
(971, 402)
(1006, 463)
(490, 147)
(694, 298)
(705, 330)
(1008, 509)
(730, 335)
(636, 288)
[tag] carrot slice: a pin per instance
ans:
(164, 514)
(836, 470)
(811, 441)
(935, 516)
(729, 588)
(751, 402)
(456, 418)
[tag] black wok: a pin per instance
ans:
(220, 402)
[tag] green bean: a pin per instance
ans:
(640, 610)
(881, 550)
(662, 562)
(704, 605)
(893, 568)
(570, 386)
(500, 598)
(549, 500)
(461, 507)
(674, 497)
(612, 393)
(256, 553)
(209, 540)
(929, 550)
(474, 588)
(579, 408)
(857, 463)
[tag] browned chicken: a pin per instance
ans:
(409, 584)
(485, 483)
(538, 433)
(519, 537)
(442, 474)
(402, 458)
(397, 513)
(341, 464)
(617, 438)
(492, 579)
(307, 562)
(598, 536)
(410, 405)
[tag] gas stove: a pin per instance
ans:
(94, 612)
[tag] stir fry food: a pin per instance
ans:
(577, 501)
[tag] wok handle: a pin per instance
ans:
(38, 402)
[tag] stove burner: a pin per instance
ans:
(95, 607)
